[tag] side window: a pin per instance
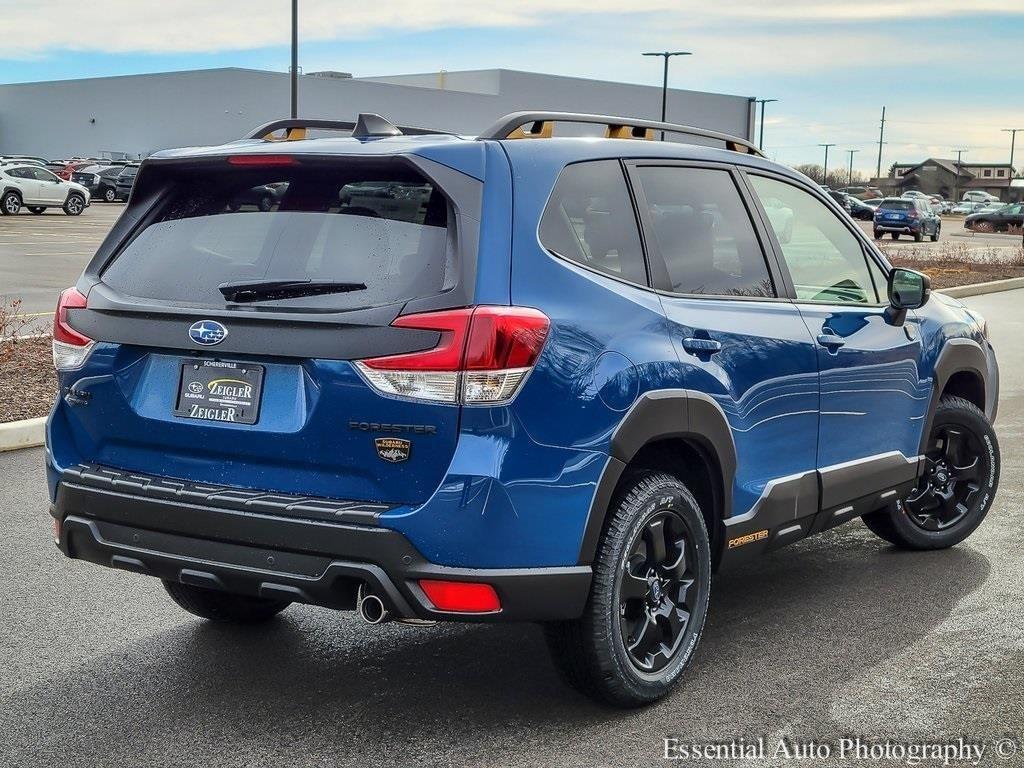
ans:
(704, 233)
(825, 259)
(41, 174)
(589, 219)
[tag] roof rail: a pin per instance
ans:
(367, 126)
(537, 125)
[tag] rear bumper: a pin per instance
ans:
(305, 560)
(896, 226)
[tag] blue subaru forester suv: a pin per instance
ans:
(509, 378)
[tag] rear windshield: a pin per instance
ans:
(897, 205)
(381, 226)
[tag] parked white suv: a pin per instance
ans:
(978, 196)
(38, 189)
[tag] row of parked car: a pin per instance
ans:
(36, 184)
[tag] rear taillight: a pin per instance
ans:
(70, 348)
(461, 596)
(483, 356)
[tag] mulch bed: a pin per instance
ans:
(949, 274)
(28, 383)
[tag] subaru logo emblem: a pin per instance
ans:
(207, 332)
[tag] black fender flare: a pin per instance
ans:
(659, 415)
(15, 190)
(957, 356)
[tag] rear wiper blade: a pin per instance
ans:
(269, 290)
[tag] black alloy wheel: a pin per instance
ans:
(954, 467)
(658, 592)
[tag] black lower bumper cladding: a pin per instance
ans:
(210, 536)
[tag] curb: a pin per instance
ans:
(993, 286)
(29, 433)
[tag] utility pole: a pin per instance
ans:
(881, 141)
(824, 175)
(762, 102)
(959, 154)
(1013, 142)
(295, 58)
(851, 153)
(666, 55)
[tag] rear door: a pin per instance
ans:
(200, 378)
(737, 340)
(873, 397)
(27, 183)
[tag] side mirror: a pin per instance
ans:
(908, 289)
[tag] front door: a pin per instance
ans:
(737, 341)
(51, 191)
(873, 397)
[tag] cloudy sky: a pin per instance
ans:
(949, 71)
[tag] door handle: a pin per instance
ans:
(831, 341)
(701, 346)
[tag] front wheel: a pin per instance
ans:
(957, 488)
(918, 237)
(648, 598)
(109, 194)
(74, 205)
(215, 605)
(10, 205)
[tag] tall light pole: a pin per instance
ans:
(851, 153)
(1013, 142)
(959, 154)
(762, 102)
(824, 175)
(666, 55)
(295, 58)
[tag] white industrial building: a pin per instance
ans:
(135, 115)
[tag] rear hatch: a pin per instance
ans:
(226, 321)
(896, 211)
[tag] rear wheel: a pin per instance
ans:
(10, 205)
(957, 487)
(223, 606)
(935, 236)
(878, 235)
(895, 235)
(648, 598)
(74, 205)
(110, 194)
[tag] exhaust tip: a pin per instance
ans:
(370, 608)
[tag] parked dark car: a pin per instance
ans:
(1006, 219)
(125, 181)
(907, 216)
(100, 180)
(840, 197)
(860, 210)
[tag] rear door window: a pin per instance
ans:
(590, 220)
(380, 228)
(704, 233)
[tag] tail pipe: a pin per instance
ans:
(370, 607)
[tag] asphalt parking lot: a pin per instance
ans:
(42, 255)
(840, 635)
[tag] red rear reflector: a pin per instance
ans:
(62, 332)
(263, 160)
(461, 596)
(56, 530)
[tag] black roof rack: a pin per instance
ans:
(539, 125)
(366, 126)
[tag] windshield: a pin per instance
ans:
(385, 229)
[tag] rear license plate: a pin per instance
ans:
(893, 216)
(212, 390)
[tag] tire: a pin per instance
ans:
(266, 203)
(74, 205)
(37, 209)
(913, 523)
(591, 653)
(223, 606)
(878, 235)
(935, 237)
(10, 205)
(918, 237)
(894, 235)
(109, 194)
